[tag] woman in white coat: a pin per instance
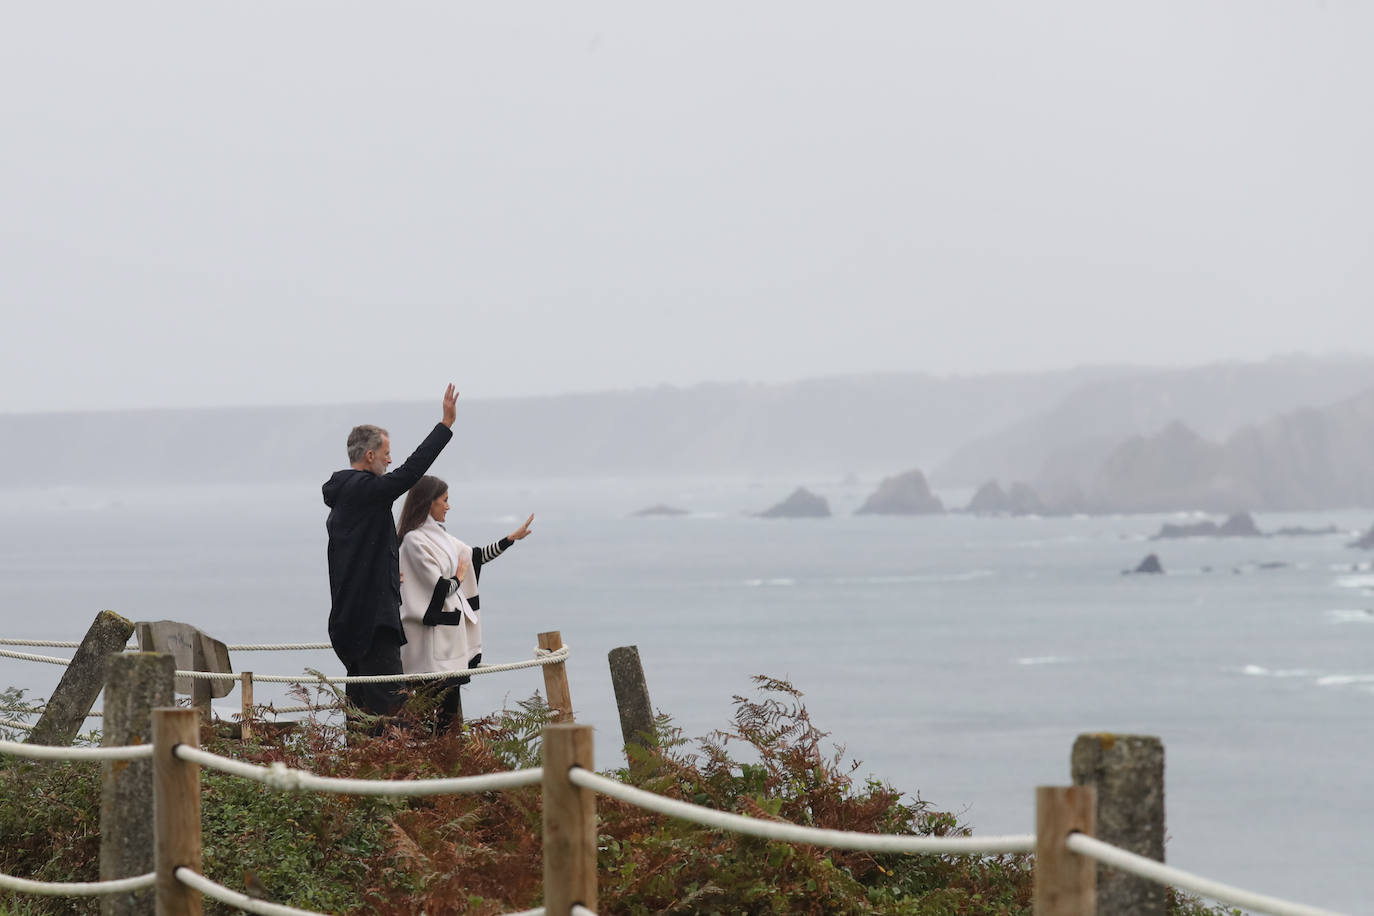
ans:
(440, 605)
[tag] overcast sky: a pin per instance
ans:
(290, 202)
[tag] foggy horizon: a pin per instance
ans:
(418, 398)
(328, 205)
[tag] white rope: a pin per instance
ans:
(10, 723)
(26, 657)
(93, 714)
(542, 657)
(279, 776)
(47, 752)
(278, 647)
(77, 888)
(39, 642)
(795, 833)
(1163, 874)
(224, 895)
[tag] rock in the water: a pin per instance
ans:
(1021, 499)
(660, 509)
(1150, 564)
(990, 499)
(1024, 500)
(1205, 529)
(1365, 541)
(1304, 531)
(1241, 524)
(905, 494)
(801, 504)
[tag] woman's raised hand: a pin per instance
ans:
(523, 531)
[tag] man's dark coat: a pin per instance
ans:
(364, 564)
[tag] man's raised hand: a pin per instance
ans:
(450, 406)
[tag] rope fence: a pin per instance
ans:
(47, 752)
(133, 647)
(219, 892)
(76, 888)
(1064, 849)
(280, 777)
(1160, 873)
(784, 832)
(542, 657)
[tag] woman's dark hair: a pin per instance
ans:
(416, 509)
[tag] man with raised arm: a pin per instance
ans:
(364, 570)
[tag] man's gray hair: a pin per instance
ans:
(363, 438)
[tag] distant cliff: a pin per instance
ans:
(865, 424)
(1062, 448)
(1305, 459)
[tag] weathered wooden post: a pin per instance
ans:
(556, 678)
(137, 683)
(1128, 773)
(632, 698)
(176, 810)
(1065, 883)
(81, 683)
(246, 706)
(569, 821)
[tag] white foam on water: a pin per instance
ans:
(1349, 615)
(1261, 671)
(1044, 660)
(764, 583)
(1344, 680)
(968, 576)
(1357, 581)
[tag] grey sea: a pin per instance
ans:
(956, 657)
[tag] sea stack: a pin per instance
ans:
(905, 494)
(801, 504)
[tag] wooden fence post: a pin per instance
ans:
(246, 706)
(1128, 773)
(569, 821)
(1065, 883)
(556, 678)
(81, 683)
(137, 683)
(632, 698)
(176, 810)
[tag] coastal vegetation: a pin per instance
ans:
(481, 855)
